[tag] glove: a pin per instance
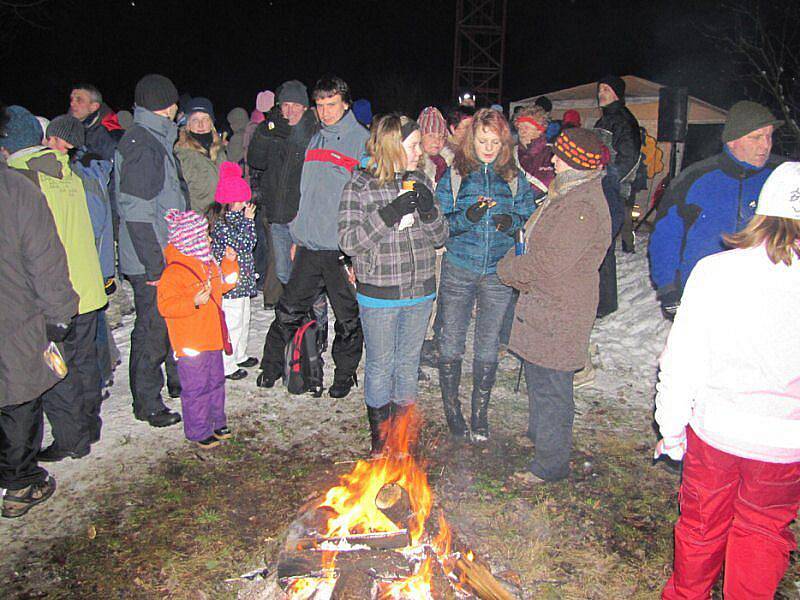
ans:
(56, 332)
(424, 199)
(404, 204)
(670, 301)
(278, 126)
(476, 211)
(111, 286)
(502, 221)
(673, 447)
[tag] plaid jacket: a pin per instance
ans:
(389, 263)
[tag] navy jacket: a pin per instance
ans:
(713, 197)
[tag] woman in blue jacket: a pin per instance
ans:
(485, 198)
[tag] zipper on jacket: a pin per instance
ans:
(486, 189)
(739, 201)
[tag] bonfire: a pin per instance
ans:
(370, 537)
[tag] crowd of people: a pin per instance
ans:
(409, 230)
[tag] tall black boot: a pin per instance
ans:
(483, 378)
(376, 417)
(449, 380)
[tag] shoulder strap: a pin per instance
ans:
(183, 266)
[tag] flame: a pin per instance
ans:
(418, 586)
(470, 556)
(353, 502)
(441, 543)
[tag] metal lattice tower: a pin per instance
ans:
(480, 42)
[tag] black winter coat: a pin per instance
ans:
(34, 288)
(626, 137)
(278, 151)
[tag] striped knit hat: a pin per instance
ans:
(581, 149)
(431, 121)
(188, 232)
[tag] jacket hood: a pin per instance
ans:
(238, 119)
(157, 124)
(47, 163)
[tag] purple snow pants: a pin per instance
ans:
(202, 394)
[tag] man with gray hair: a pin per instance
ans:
(103, 131)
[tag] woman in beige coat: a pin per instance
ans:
(200, 151)
(566, 240)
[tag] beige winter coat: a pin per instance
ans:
(557, 278)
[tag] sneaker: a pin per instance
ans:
(237, 375)
(527, 479)
(584, 377)
(223, 433)
(208, 443)
(250, 362)
(18, 502)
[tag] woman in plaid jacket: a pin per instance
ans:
(390, 224)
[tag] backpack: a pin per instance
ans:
(302, 371)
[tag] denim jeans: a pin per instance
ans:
(282, 247)
(551, 410)
(393, 340)
(458, 292)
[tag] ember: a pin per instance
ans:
(367, 537)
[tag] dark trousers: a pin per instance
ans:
(551, 410)
(313, 272)
(21, 431)
(149, 350)
(608, 269)
(73, 404)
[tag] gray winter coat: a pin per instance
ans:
(34, 288)
(339, 148)
(146, 177)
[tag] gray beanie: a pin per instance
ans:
(293, 91)
(746, 116)
(155, 92)
(69, 129)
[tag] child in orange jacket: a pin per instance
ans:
(189, 298)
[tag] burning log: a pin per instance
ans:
(375, 541)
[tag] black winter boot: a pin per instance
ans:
(376, 417)
(483, 378)
(449, 380)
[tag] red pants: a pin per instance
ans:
(734, 510)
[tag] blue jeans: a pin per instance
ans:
(458, 291)
(282, 247)
(393, 340)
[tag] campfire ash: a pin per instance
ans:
(367, 538)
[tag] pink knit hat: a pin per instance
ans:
(231, 187)
(265, 101)
(188, 232)
(257, 116)
(431, 121)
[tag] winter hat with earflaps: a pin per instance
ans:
(188, 232)
(780, 195)
(230, 186)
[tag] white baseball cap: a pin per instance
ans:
(780, 196)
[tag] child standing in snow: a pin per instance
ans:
(231, 223)
(189, 298)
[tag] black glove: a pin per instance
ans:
(111, 286)
(502, 221)
(670, 301)
(404, 204)
(425, 200)
(278, 126)
(476, 211)
(56, 332)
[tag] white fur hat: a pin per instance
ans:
(780, 196)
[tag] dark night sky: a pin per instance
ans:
(229, 51)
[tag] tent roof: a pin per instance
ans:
(637, 91)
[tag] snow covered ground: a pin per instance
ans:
(629, 341)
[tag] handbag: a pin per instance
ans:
(226, 338)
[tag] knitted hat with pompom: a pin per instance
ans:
(231, 187)
(188, 232)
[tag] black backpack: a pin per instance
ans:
(303, 364)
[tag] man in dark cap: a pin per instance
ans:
(622, 128)
(711, 198)
(147, 186)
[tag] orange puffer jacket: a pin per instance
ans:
(193, 330)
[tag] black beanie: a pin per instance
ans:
(69, 129)
(292, 91)
(155, 92)
(615, 83)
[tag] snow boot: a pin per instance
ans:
(376, 417)
(483, 378)
(585, 376)
(449, 380)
